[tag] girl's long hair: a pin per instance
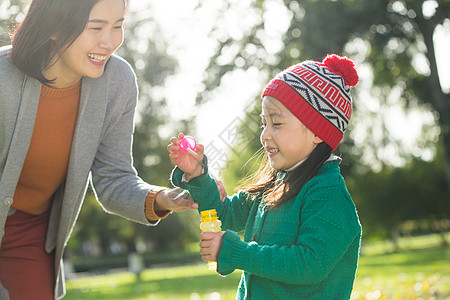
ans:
(49, 27)
(275, 192)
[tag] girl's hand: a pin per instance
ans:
(189, 163)
(210, 245)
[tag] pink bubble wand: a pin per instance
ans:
(188, 145)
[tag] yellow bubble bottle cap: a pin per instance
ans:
(208, 215)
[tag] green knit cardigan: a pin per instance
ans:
(307, 248)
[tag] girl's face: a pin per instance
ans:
(89, 53)
(286, 140)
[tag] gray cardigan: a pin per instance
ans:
(101, 150)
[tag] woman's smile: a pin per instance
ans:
(98, 59)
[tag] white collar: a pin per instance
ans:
(297, 164)
(331, 158)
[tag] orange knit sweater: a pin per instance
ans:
(47, 161)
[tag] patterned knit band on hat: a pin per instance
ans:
(318, 94)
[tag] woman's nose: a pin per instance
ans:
(107, 41)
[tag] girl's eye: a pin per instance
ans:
(95, 28)
(276, 124)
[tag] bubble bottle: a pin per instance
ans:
(210, 223)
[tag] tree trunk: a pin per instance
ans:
(395, 235)
(439, 100)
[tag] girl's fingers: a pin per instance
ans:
(207, 258)
(207, 254)
(200, 149)
(198, 152)
(206, 236)
(204, 251)
(204, 244)
(173, 148)
(174, 140)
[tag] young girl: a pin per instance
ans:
(302, 233)
(66, 114)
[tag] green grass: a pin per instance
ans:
(413, 274)
(421, 272)
(187, 282)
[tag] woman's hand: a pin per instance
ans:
(222, 191)
(210, 245)
(189, 163)
(174, 200)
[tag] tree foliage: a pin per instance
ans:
(389, 199)
(11, 14)
(393, 40)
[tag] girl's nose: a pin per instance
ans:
(265, 134)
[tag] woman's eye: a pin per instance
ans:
(95, 28)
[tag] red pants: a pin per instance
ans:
(26, 269)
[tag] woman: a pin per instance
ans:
(66, 115)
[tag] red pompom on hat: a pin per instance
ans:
(343, 66)
(318, 94)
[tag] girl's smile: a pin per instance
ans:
(272, 151)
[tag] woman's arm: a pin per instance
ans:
(115, 180)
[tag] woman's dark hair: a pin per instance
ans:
(275, 192)
(49, 27)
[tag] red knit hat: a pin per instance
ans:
(318, 94)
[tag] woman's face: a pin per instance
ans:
(286, 140)
(89, 53)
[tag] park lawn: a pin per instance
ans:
(422, 272)
(185, 282)
(412, 274)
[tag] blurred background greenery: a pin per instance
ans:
(401, 188)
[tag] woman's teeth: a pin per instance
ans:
(97, 58)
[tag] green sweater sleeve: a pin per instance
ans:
(329, 227)
(233, 213)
